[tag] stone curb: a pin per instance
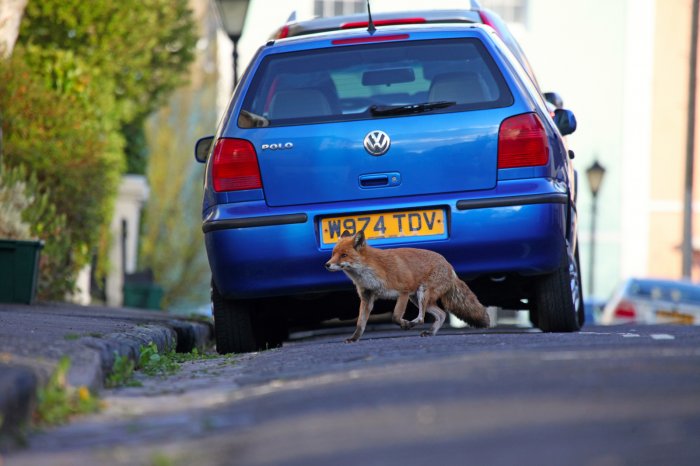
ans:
(92, 361)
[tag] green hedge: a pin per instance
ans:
(83, 76)
(58, 141)
(140, 47)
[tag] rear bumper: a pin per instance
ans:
(257, 251)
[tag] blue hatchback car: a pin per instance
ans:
(429, 136)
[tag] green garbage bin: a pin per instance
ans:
(143, 295)
(19, 270)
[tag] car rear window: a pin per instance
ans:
(373, 81)
(664, 291)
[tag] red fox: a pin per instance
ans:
(420, 275)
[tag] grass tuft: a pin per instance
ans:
(122, 373)
(151, 362)
(57, 402)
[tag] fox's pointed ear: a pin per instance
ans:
(359, 241)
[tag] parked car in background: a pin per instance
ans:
(423, 135)
(653, 301)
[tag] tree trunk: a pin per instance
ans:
(11, 12)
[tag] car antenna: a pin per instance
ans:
(370, 25)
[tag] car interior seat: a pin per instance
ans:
(299, 103)
(459, 87)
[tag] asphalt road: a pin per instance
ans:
(505, 396)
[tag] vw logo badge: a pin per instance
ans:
(377, 142)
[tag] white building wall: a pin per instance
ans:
(636, 154)
(133, 193)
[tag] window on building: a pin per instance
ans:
(512, 11)
(338, 7)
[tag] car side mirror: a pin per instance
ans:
(565, 121)
(202, 148)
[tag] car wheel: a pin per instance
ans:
(269, 327)
(580, 310)
(558, 297)
(534, 320)
(233, 326)
(242, 326)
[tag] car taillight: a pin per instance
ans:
(625, 310)
(235, 166)
(522, 142)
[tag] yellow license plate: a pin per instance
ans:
(410, 223)
(674, 317)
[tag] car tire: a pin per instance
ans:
(269, 327)
(581, 310)
(534, 319)
(233, 326)
(558, 297)
(242, 326)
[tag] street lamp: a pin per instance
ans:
(595, 174)
(232, 16)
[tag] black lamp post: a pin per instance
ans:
(232, 15)
(595, 174)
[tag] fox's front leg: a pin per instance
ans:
(366, 305)
(399, 311)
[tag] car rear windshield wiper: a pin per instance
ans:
(407, 109)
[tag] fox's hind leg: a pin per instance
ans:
(440, 317)
(399, 311)
(421, 301)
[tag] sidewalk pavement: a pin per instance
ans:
(34, 338)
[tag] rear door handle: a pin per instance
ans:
(380, 180)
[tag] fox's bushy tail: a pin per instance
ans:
(463, 303)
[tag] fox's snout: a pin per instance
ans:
(344, 255)
(333, 266)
